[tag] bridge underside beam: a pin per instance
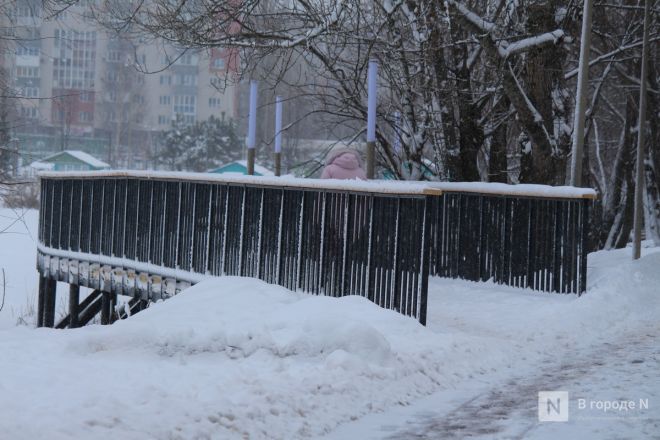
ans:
(74, 298)
(107, 282)
(84, 309)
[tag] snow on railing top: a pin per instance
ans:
(530, 190)
(372, 186)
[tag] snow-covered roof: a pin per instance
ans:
(81, 156)
(370, 186)
(88, 158)
(39, 165)
(257, 168)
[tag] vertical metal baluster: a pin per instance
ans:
(259, 258)
(584, 223)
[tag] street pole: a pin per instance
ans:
(581, 98)
(641, 127)
(371, 119)
(278, 135)
(252, 128)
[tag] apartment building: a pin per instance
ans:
(84, 88)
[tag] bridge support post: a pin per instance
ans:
(105, 308)
(50, 297)
(108, 301)
(40, 300)
(74, 298)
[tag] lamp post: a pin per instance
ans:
(252, 128)
(278, 135)
(641, 127)
(371, 118)
(581, 98)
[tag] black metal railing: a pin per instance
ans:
(533, 242)
(321, 241)
(140, 234)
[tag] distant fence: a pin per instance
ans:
(148, 235)
(533, 241)
(105, 230)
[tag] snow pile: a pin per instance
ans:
(227, 358)
(243, 317)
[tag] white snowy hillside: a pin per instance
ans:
(239, 358)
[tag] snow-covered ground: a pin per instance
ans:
(18, 258)
(238, 358)
(602, 347)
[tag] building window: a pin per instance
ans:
(31, 92)
(163, 120)
(74, 65)
(72, 167)
(26, 10)
(27, 50)
(219, 63)
(27, 72)
(214, 102)
(165, 100)
(86, 96)
(187, 59)
(86, 117)
(184, 105)
(165, 80)
(29, 112)
(113, 56)
(185, 80)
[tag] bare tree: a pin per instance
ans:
(484, 88)
(121, 104)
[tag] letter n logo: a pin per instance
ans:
(553, 406)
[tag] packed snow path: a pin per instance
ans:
(628, 370)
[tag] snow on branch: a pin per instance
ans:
(323, 26)
(504, 48)
(477, 21)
